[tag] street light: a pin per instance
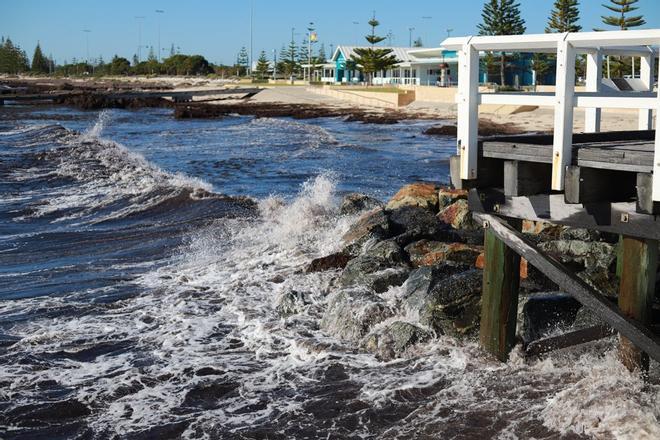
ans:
(449, 31)
(139, 18)
(426, 17)
(159, 11)
(410, 30)
(310, 29)
(251, 34)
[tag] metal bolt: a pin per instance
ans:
(624, 217)
(485, 225)
(496, 207)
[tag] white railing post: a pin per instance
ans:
(468, 110)
(565, 90)
(656, 155)
(646, 76)
(594, 84)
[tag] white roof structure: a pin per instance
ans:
(406, 55)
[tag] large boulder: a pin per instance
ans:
(458, 215)
(429, 253)
(445, 298)
(354, 203)
(335, 261)
(372, 225)
(379, 267)
(390, 340)
(447, 196)
(588, 254)
(546, 312)
(424, 195)
(410, 223)
(291, 302)
(352, 312)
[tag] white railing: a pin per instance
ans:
(566, 46)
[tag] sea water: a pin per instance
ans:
(141, 259)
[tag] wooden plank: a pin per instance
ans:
(589, 185)
(636, 292)
(570, 339)
(617, 218)
(526, 178)
(632, 329)
(468, 110)
(499, 298)
(645, 203)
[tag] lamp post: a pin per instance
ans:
(159, 11)
(251, 35)
(410, 31)
(293, 60)
(139, 18)
(310, 29)
(449, 31)
(356, 23)
(427, 18)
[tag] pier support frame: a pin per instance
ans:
(499, 299)
(639, 263)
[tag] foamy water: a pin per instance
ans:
(169, 327)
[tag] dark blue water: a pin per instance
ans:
(141, 261)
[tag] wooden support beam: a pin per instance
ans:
(591, 185)
(468, 110)
(564, 95)
(636, 292)
(490, 173)
(570, 339)
(594, 84)
(499, 299)
(632, 329)
(526, 178)
(645, 203)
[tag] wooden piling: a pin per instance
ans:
(499, 299)
(639, 263)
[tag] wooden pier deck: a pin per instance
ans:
(607, 181)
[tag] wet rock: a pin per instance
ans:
(410, 223)
(372, 225)
(442, 130)
(445, 297)
(429, 253)
(379, 267)
(590, 255)
(581, 234)
(291, 302)
(545, 312)
(393, 339)
(355, 203)
(586, 318)
(352, 312)
(424, 195)
(447, 196)
(330, 262)
(458, 215)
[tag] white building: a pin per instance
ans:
(416, 66)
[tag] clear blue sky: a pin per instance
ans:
(217, 29)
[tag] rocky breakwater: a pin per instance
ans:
(410, 271)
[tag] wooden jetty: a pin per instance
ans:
(174, 95)
(608, 181)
